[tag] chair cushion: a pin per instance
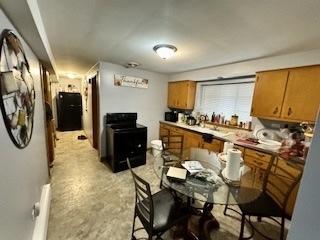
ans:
(263, 206)
(166, 212)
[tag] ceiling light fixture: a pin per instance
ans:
(165, 51)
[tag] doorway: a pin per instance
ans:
(91, 115)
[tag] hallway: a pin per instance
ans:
(90, 202)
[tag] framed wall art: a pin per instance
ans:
(17, 93)
(128, 81)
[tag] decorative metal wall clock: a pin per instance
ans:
(17, 94)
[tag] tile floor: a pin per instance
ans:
(90, 202)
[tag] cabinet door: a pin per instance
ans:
(192, 140)
(302, 96)
(214, 146)
(181, 95)
(186, 94)
(269, 93)
(172, 94)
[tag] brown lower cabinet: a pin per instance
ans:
(257, 160)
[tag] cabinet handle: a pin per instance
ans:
(258, 163)
(289, 111)
(260, 155)
(275, 111)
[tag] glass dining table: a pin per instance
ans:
(210, 187)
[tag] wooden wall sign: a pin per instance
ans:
(17, 94)
(127, 81)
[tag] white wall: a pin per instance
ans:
(305, 221)
(150, 104)
(250, 67)
(22, 172)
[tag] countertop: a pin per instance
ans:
(230, 137)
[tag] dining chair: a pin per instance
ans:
(172, 144)
(172, 149)
(157, 212)
(281, 180)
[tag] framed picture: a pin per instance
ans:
(128, 81)
(17, 93)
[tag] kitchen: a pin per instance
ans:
(239, 77)
(258, 146)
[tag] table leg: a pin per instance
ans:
(207, 221)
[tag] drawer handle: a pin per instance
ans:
(258, 163)
(289, 111)
(275, 111)
(260, 155)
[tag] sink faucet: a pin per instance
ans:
(215, 128)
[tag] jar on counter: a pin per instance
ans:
(234, 120)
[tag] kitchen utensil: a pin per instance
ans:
(270, 144)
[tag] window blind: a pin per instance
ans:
(227, 99)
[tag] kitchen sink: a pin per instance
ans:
(217, 133)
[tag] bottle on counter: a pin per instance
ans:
(234, 120)
(213, 117)
(221, 119)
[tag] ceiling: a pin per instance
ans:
(206, 33)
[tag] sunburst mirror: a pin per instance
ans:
(17, 100)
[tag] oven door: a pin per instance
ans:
(130, 143)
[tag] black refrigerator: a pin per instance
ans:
(69, 110)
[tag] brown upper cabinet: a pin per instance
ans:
(302, 98)
(268, 95)
(181, 94)
(288, 94)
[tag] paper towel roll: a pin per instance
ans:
(227, 146)
(233, 164)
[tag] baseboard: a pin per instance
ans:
(41, 226)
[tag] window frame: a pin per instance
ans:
(231, 81)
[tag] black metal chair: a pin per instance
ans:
(157, 212)
(280, 182)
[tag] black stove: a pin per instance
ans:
(125, 139)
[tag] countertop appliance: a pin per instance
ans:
(180, 117)
(125, 138)
(191, 121)
(171, 116)
(69, 110)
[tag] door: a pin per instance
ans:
(269, 93)
(49, 127)
(302, 97)
(95, 112)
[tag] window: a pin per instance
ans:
(227, 98)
